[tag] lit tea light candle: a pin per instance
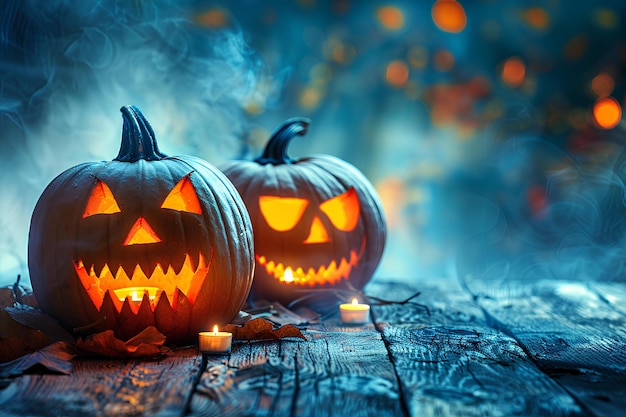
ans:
(215, 342)
(135, 294)
(354, 313)
(288, 275)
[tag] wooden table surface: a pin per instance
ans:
(485, 349)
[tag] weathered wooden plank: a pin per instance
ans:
(453, 363)
(613, 293)
(100, 387)
(331, 374)
(570, 332)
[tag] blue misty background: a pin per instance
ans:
(480, 175)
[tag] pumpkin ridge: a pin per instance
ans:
(238, 207)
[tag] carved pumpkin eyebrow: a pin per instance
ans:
(343, 210)
(183, 197)
(282, 213)
(101, 201)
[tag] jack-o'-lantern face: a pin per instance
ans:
(315, 233)
(155, 275)
(317, 220)
(142, 240)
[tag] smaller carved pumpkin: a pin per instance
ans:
(143, 240)
(317, 221)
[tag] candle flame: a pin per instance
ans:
(355, 301)
(215, 329)
(136, 294)
(288, 276)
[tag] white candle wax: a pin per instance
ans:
(354, 313)
(215, 342)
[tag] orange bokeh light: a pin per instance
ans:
(449, 16)
(513, 72)
(536, 17)
(607, 112)
(390, 17)
(397, 73)
(213, 18)
(602, 85)
(443, 60)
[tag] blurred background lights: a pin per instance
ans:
(449, 16)
(390, 17)
(492, 129)
(397, 73)
(513, 72)
(602, 85)
(536, 17)
(607, 112)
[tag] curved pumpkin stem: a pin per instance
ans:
(138, 139)
(275, 152)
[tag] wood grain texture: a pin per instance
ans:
(613, 293)
(331, 374)
(486, 348)
(108, 388)
(453, 363)
(571, 333)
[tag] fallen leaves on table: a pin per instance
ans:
(261, 329)
(56, 357)
(17, 339)
(37, 320)
(147, 343)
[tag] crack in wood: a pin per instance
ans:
(572, 332)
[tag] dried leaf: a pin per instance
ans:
(35, 319)
(146, 343)
(261, 329)
(287, 331)
(17, 339)
(56, 357)
(6, 297)
(146, 340)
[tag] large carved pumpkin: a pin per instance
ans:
(142, 240)
(317, 221)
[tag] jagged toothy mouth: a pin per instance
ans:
(138, 287)
(325, 274)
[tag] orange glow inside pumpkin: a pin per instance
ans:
(183, 197)
(141, 233)
(332, 273)
(325, 274)
(318, 233)
(139, 285)
(283, 213)
(136, 294)
(343, 210)
(101, 201)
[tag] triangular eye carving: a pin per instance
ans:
(101, 201)
(282, 213)
(343, 210)
(183, 197)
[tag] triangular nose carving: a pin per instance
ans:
(141, 233)
(318, 233)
